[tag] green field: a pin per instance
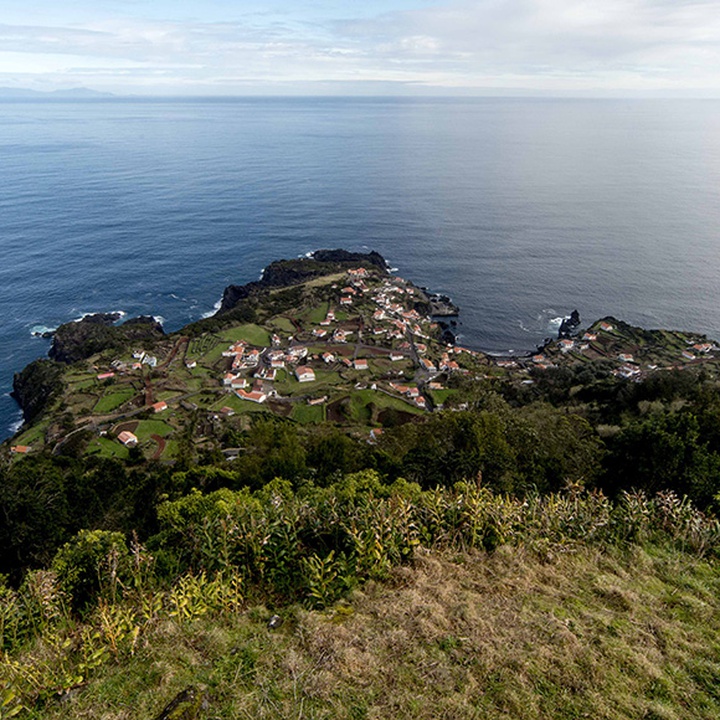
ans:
(35, 434)
(146, 428)
(114, 400)
(308, 413)
(317, 314)
(253, 334)
(440, 396)
(104, 447)
(238, 405)
(283, 324)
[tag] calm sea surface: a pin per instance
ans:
(521, 210)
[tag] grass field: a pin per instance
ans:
(308, 413)
(238, 405)
(146, 428)
(104, 447)
(114, 400)
(317, 314)
(603, 634)
(253, 334)
(35, 434)
(283, 324)
(440, 396)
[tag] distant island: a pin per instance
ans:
(77, 93)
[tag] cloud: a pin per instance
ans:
(541, 44)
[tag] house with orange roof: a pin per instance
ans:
(127, 438)
(305, 374)
(255, 396)
(20, 449)
(360, 364)
(159, 406)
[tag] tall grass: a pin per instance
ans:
(280, 547)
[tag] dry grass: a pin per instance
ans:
(589, 634)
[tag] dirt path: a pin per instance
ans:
(160, 446)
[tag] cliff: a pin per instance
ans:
(285, 273)
(37, 386)
(79, 340)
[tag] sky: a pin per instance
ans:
(363, 47)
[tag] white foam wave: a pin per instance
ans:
(393, 269)
(15, 425)
(210, 313)
(159, 319)
(39, 330)
(556, 322)
(120, 313)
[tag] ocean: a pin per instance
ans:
(520, 209)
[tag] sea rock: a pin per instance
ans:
(569, 325)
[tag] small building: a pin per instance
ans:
(625, 358)
(328, 357)
(346, 300)
(606, 327)
(227, 411)
(128, 439)
(255, 396)
(317, 401)
(319, 333)
(239, 383)
(305, 374)
(106, 376)
(360, 364)
(20, 449)
(396, 356)
(159, 406)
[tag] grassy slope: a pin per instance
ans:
(624, 634)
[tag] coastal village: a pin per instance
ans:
(359, 349)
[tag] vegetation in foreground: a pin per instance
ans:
(551, 606)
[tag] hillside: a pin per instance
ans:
(316, 504)
(330, 339)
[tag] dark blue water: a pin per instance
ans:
(521, 210)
